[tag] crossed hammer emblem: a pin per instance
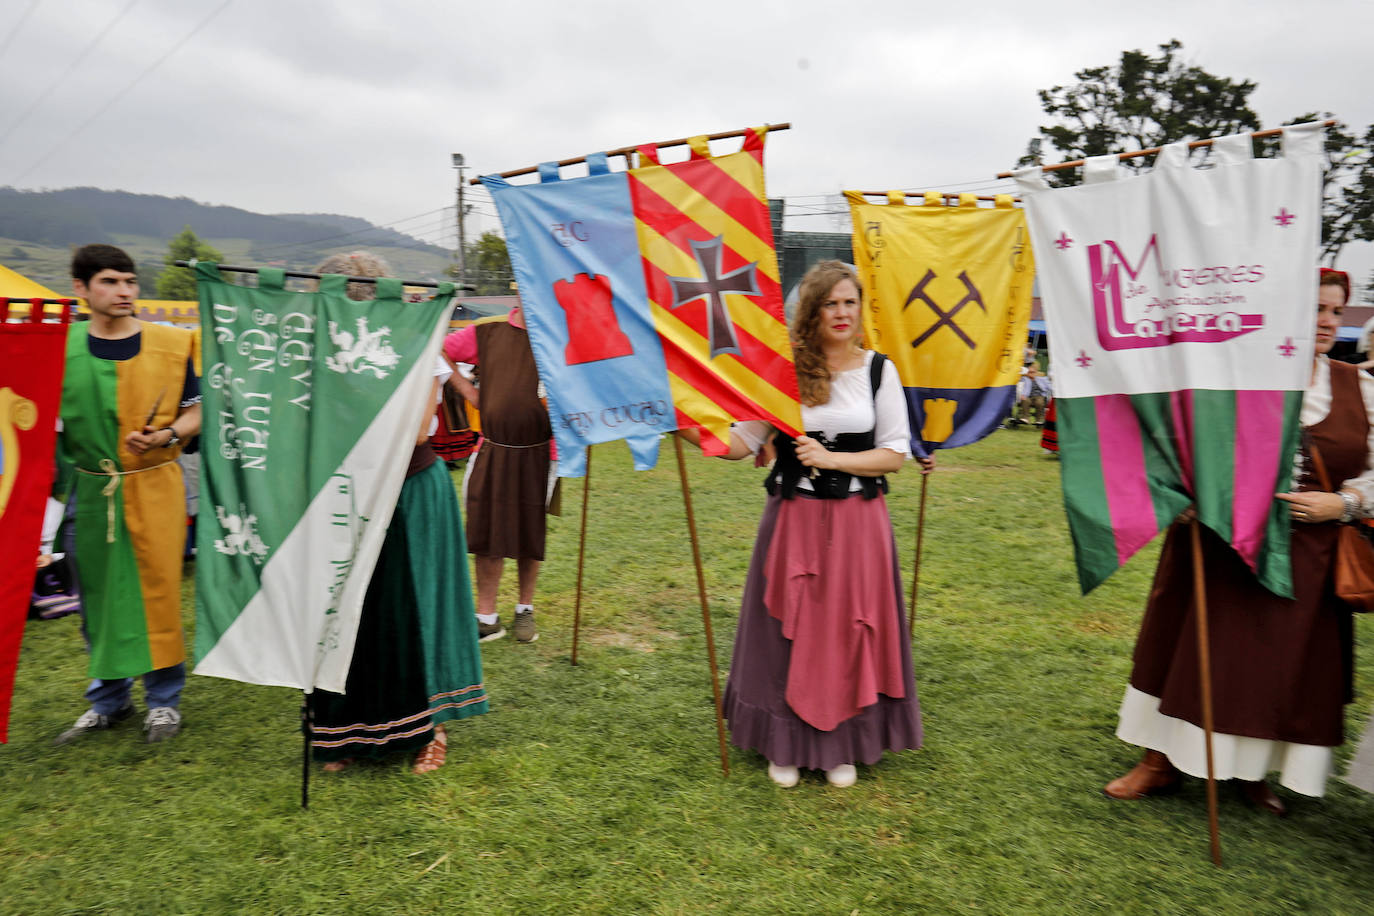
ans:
(945, 319)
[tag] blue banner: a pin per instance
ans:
(577, 261)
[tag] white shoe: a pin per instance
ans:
(843, 776)
(163, 722)
(784, 776)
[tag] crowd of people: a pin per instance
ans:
(821, 676)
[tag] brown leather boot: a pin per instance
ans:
(1153, 775)
(1260, 795)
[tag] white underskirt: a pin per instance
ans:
(1303, 768)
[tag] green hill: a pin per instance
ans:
(38, 229)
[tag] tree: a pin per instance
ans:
(488, 265)
(1347, 187)
(179, 282)
(1140, 103)
(1145, 102)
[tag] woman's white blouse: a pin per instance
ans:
(443, 373)
(851, 409)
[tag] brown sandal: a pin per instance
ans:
(1153, 775)
(432, 755)
(337, 766)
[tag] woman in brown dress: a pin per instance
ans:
(1281, 668)
(508, 485)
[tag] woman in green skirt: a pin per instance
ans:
(416, 662)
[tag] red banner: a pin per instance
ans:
(32, 358)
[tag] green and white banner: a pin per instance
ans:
(311, 406)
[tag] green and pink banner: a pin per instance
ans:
(1180, 307)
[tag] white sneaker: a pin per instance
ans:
(784, 776)
(843, 776)
(162, 723)
(91, 721)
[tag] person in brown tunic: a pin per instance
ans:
(1281, 668)
(508, 480)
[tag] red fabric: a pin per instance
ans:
(1049, 436)
(594, 333)
(454, 438)
(32, 360)
(829, 584)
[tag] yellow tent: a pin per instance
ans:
(14, 285)
(175, 311)
(17, 286)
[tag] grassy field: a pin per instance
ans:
(597, 789)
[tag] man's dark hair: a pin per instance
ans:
(90, 260)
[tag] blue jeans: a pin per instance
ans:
(161, 688)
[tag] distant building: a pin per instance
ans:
(798, 251)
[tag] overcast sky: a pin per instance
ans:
(355, 107)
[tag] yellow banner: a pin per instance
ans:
(948, 288)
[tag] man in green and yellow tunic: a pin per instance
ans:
(129, 400)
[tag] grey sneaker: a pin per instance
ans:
(486, 632)
(524, 627)
(163, 722)
(92, 721)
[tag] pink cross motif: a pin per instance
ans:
(1063, 242)
(1083, 359)
(1287, 348)
(1284, 217)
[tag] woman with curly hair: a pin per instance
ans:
(821, 676)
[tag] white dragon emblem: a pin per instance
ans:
(368, 351)
(240, 535)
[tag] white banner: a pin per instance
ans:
(1182, 278)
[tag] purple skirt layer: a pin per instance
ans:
(755, 702)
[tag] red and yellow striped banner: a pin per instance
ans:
(714, 290)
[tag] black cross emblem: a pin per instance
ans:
(712, 286)
(946, 319)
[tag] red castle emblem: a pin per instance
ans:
(594, 333)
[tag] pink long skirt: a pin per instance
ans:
(821, 672)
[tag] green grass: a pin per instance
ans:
(597, 789)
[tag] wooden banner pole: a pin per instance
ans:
(628, 151)
(308, 730)
(947, 195)
(705, 606)
(1136, 154)
(1204, 663)
(916, 573)
(581, 552)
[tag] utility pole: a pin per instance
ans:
(461, 253)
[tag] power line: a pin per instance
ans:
(71, 68)
(23, 18)
(103, 109)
